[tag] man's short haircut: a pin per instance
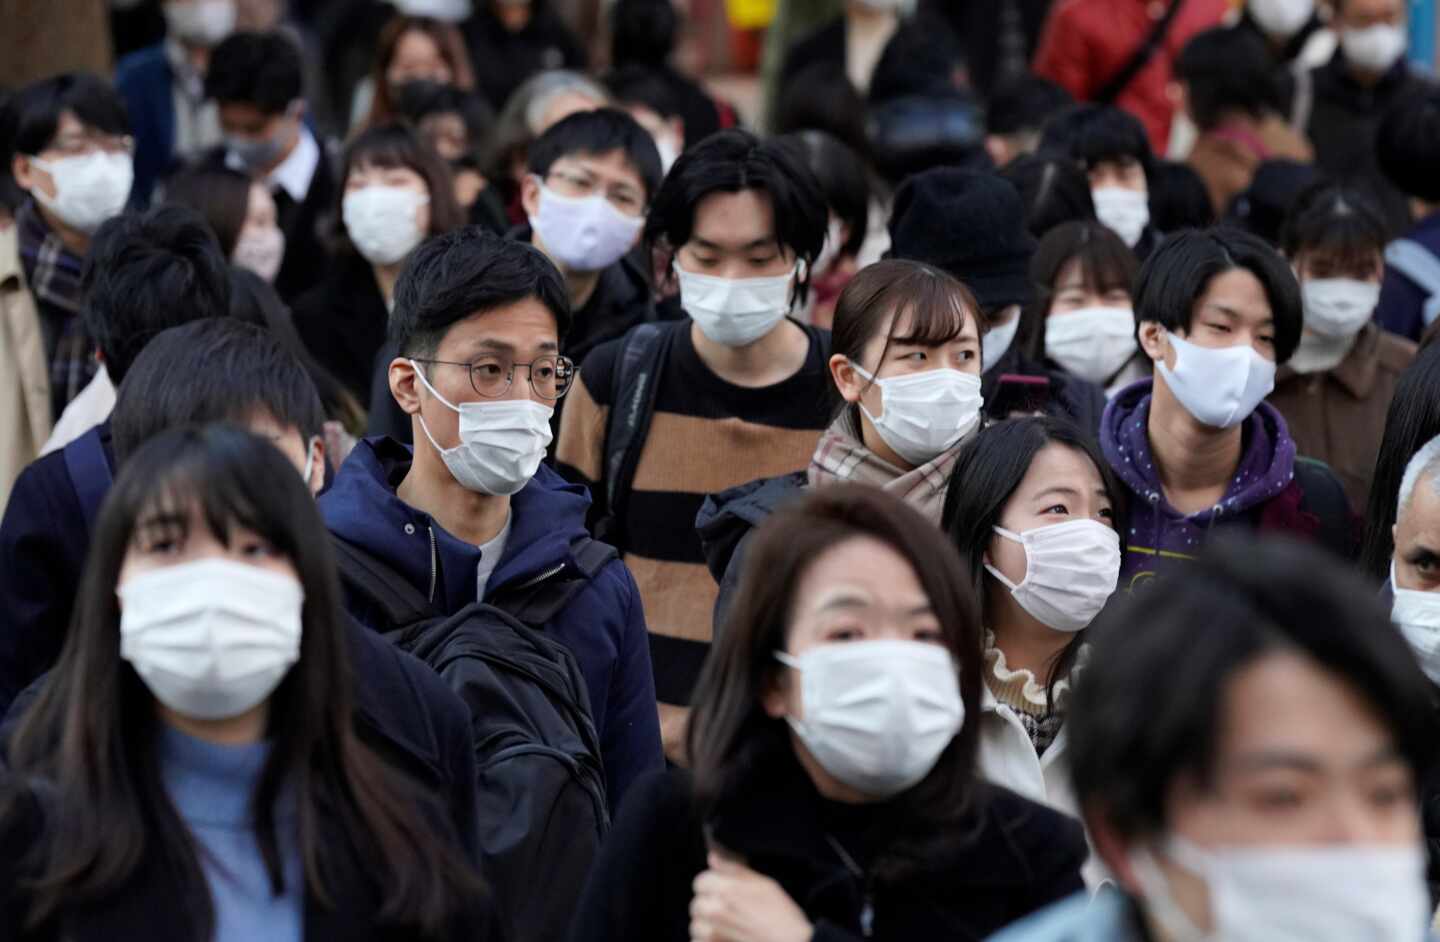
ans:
(1023, 105)
(643, 86)
(1229, 70)
(35, 110)
(148, 272)
(1178, 272)
(1138, 724)
(595, 133)
(1423, 465)
(1096, 134)
(259, 69)
(214, 370)
(1407, 145)
(643, 32)
(467, 272)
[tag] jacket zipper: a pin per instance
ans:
(542, 577)
(434, 565)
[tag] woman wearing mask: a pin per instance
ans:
(834, 791)
(1037, 514)
(239, 210)
(1082, 321)
(190, 770)
(1337, 387)
(395, 193)
(410, 49)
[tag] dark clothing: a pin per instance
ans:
(343, 321)
(1069, 397)
(53, 274)
(1402, 302)
(1286, 60)
(725, 523)
(145, 80)
(504, 60)
(603, 626)
(1009, 857)
(702, 116)
(999, 38)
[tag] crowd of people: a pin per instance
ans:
(453, 490)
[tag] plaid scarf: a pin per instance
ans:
(53, 274)
(840, 457)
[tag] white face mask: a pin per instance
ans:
(201, 22)
(584, 234)
(1071, 570)
(1324, 893)
(1374, 48)
(502, 442)
(996, 343)
(1221, 386)
(735, 312)
(89, 189)
(211, 639)
(1417, 615)
(1338, 307)
(382, 222)
(1281, 18)
(1318, 354)
(878, 714)
(1093, 343)
(448, 11)
(261, 250)
(925, 414)
(1125, 212)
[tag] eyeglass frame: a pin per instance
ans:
(510, 376)
(89, 144)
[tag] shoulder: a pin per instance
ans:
(1395, 352)
(666, 795)
(43, 496)
(601, 369)
(1079, 918)
(143, 65)
(1034, 829)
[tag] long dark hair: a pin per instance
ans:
(1105, 264)
(1413, 419)
(987, 471)
(446, 37)
(732, 741)
(399, 145)
(219, 194)
(88, 744)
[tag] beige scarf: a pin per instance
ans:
(840, 457)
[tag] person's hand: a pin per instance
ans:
(735, 904)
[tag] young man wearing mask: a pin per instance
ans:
(256, 79)
(591, 179)
(739, 390)
(164, 89)
(472, 512)
(1200, 451)
(1298, 40)
(1111, 145)
(72, 156)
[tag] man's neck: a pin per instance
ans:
(773, 358)
(73, 239)
(1194, 461)
(463, 513)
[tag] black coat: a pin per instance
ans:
(504, 60)
(1018, 857)
(1070, 397)
(343, 321)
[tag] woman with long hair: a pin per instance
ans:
(410, 49)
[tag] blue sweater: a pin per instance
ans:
(210, 786)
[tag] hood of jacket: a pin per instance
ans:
(727, 517)
(546, 517)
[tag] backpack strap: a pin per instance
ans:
(1420, 265)
(536, 603)
(90, 474)
(643, 354)
(1324, 496)
(399, 602)
(1140, 57)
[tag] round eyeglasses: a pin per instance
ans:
(492, 374)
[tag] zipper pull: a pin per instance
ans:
(867, 917)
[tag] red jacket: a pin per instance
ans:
(1086, 42)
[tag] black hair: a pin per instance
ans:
(1411, 422)
(399, 145)
(1137, 724)
(1023, 104)
(595, 133)
(420, 99)
(987, 471)
(215, 370)
(12, 195)
(922, 58)
(1178, 197)
(1096, 134)
(1177, 273)
(645, 86)
(36, 109)
(259, 69)
(1228, 70)
(219, 194)
(1341, 226)
(1262, 207)
(1106, 263)
(467, 272)
(730, 162)
(1054, 190)
(642, 32)
(147, 272)
(821, 98)
(842, 178)
(1407, 145)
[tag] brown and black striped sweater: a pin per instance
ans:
(706, 435)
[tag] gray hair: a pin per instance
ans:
(1425, 463)
(540, 91)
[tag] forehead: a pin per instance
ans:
(69, 125)
(524, 325)
(866, 566)
(243, 114)
(1238, 291)
(613, 166)
(734, 218)
(1057, 465)
(1419, 521)
(416, 44)
(1368, 8)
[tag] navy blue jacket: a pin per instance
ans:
(144, 80)
(1402, 300)
(603, 626)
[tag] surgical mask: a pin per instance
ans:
(260, 249)
(257, 154)
(1374, 48)
(1323, 893)
(735, 312)
(1338, 307)
(1071, 570)
(1221, 386)
(382, 223)
(925, 414)
(1093, 343)
(502, 442)
(1124, 211)
(211, 639)
(878, 714)
(996, 343)
(201, 22)
(1318, 354)
(89, 189)
(584, 233)
(1281, 18)
(1417, 615)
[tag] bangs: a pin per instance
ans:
(1347, 243)
(936, 309)
(388, 147)
(1103, 267)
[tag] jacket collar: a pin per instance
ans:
(1357, 373)
(12, 272)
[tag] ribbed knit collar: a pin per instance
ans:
(208, 783)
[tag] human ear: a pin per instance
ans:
(850, 383)
(530, 194)
(404, 385)
(1152, 340)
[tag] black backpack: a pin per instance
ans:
(541, 785)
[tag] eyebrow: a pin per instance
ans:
(1300, 762)
(766, 242)
(1232, 313)
(1420, 554)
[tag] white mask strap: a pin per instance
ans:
(309, 462)
(433, 391)
(1000, 577)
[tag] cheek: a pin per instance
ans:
(422, 217)
(1008, 557)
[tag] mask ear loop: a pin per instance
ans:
(1000, 577)
(420, 374)
(872, 381)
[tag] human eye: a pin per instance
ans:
(844, 631)
(1060, 510)
(1107, 513)
(929, 634)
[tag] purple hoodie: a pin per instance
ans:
(1159, 534)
